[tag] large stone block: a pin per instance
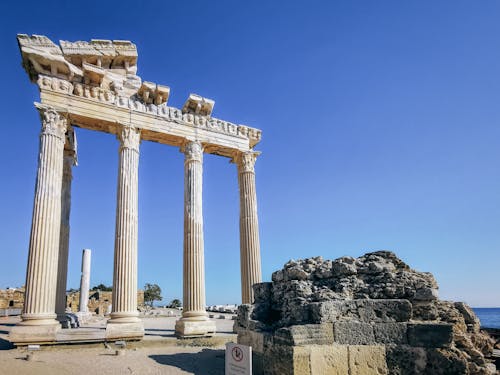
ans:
(328, 311)
(353, 333)
(262, 292)
(430, 335)
(364, 310)
(130, 331)
(307, 334)
(244, 314)
(284, 359)
(367, 360)
(329, 359)
(32, 334)
(390, 333)
(194, 328)
(301, 361)
(404, 359)
(384, 310)
(257, 340)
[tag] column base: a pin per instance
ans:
(34, 334)
(124, 330)
(83, 317)
(194, 328)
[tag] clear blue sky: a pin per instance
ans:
(381, 130)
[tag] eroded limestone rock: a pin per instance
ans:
(366, 315)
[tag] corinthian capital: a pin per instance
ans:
(246, 161)
(129, 137)
(193, 150)
(53, 122)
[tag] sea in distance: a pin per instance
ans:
(489, 316)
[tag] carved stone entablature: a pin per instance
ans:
(53, 122)
(196, 104)
(152, 93)
(78, 77)
(136, 104)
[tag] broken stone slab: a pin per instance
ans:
(353, 333)
(307, 334)
(430, 335)
(364, 310)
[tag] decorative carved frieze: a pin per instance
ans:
(104, 71)
(53, 123)
(137, 104)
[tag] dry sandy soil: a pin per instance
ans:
(158, 353)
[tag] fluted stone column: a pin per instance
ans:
(194, 321)
(83, 309)
(85, 281)
(249, 225)
(38, 317)
(125, 322)
(69, 161)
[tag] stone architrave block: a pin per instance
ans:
(329, 359)
(367, 360)
(430, 335)
(353, 333)
(390, 333)
(307, 334)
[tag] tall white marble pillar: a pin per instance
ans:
(85, 282)
(249, 225)
(125, 322)
(38, 317)
(194, 320)
(62, 268)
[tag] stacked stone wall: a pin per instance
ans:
(12, 298)
(371, 315)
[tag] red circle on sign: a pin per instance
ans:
(237, 354)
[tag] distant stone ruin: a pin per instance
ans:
(366, 315)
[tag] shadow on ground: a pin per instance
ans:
(5, 345)
(159, 332)
(206, 362)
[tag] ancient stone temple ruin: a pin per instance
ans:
(370, 315)
(94, 85)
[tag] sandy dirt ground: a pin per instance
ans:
(159, 353)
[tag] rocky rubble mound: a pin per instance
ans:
(374, 300)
